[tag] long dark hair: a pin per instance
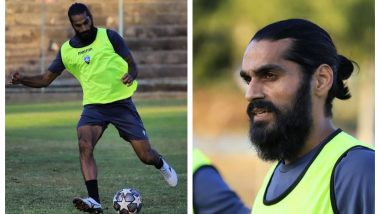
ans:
(311, 47)
(78, 8)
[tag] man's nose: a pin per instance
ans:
(254, 90)
(83, 28)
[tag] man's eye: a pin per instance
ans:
(269, 76)
(247, 80)
(245, 77)
(86, 22)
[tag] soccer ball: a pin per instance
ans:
(127, 201)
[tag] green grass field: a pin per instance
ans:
(42, 159)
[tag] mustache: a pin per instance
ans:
(87, 32)
(269, 106)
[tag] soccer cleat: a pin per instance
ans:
(169, 174)
(88, 205)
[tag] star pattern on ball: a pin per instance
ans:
(137, 200)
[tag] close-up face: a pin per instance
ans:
(82, 24)
(279, 100)
(269, 76)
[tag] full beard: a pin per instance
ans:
(286, 136)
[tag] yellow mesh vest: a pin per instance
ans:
(99, 70)
(199, 160)
(312, 193)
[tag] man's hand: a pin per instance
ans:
(16, 78)
(127, 79)
(36, 81)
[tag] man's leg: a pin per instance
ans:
(150, 156)
(88, 136)
(131, 128)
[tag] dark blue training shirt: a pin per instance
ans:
(212, 195)
(117, 42)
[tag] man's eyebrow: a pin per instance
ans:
(85, 21)
(243, 74)
(261, 70)
(266, 68)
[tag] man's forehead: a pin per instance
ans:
(262, 52)
(79, 18)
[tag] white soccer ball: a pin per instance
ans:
(127, 201)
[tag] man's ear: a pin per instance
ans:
(323, 80)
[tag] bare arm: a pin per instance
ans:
(122, 50)
(132, 70)
(36, 81)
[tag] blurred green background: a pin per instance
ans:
(221, 32)
(222, 29)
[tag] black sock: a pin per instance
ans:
(92, 189)
(159, 164)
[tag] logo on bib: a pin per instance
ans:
(87, 59)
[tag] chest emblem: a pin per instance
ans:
(86, 59)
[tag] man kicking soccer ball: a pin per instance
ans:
(106, 70)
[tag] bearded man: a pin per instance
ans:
(293, 73)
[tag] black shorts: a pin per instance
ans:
(122, 114)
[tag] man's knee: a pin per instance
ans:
(87, 138)
(85, 145)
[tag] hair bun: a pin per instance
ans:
(345, 68)
(344, 71)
